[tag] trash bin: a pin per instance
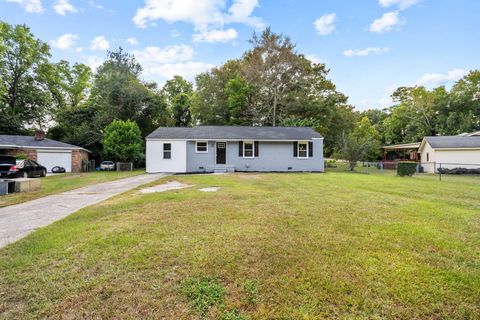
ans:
(7, 186)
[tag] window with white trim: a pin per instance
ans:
(303, 150)
(201, 147)
(167, 151)
(248, 149)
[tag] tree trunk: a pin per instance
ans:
(274, 108)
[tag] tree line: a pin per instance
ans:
(270, 84)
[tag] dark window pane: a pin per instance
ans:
(201, 147)
(248, 147)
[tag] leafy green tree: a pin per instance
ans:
(25, 100)
(122, 141)
(175, 86)
(181, 110)
(377, 118)
(465, 99)
(117, 93)
(178, 93)
(210, 100)
(363, 144)
(238, 95)
(413, 117)
(73, 83)
(275, 70)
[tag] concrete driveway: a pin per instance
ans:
(19, 220)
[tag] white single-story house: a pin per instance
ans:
(47, 152)
(450, 152)
(234, 148)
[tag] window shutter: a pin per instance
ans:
(295, 148)
(256, 148)
(240, 148)
(310, 148)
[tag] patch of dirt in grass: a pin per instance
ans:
(209, 189)
(249, 176)
(171, 185)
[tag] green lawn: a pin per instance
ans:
(265, 246)
(64, 182)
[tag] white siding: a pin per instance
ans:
(454, 158)
(428, 164)
(450, 159)
(155, 161)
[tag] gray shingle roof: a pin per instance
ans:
(235, 133)
(454, 142)
(29, 141)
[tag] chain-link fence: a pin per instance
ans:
(451, 170)
(88, 165)
(124, 166)
(441, 171)
(333, 165)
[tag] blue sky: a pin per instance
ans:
(370, 46)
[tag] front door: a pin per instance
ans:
(221, 152)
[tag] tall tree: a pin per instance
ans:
(413, 117)
(362, 144)
(73, 84)
(238, 99)
(275, 69)
(181, 110)
(117, 93)
(465, 98)
(178, 93)
(210, 100)
(25, 100)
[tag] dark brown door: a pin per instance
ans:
(221, 152)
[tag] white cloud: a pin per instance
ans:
(402, 4)
(187, 70)
(63, 6)
(215, 36)
(153, 56)
(435, 79)
(241, 12)
(32, 6)
(173, 60)
(365, 52)
(325, 24)
(386, 22)
(205, 15)
(99, 43)
(65, 41)
(132, 41)
(93, 62)
(314, 58)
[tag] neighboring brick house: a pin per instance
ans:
(46, 152)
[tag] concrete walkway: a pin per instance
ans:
(19, 220)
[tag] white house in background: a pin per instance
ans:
(450, 152)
